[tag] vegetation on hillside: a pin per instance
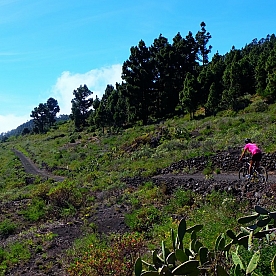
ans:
(137, 128)
(96, 162)
(169, 79)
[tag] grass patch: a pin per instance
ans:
(14, 254)
(36, 210)
(7, 227)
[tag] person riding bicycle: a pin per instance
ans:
(255, 152)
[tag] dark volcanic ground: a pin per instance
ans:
(111, 218)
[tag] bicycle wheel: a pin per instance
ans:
(263, 176)
(243, 172)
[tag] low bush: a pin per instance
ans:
(142, 220)
(7, 227)
(14, 254)
(36, 210)
(115, 257)
(66, 194)
(251, 251)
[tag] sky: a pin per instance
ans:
(48, 48)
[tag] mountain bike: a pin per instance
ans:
(259, 174)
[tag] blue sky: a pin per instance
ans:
(48, 48)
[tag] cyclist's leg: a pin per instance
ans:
(251, 163)
(256, 158)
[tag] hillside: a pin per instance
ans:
(135, 181)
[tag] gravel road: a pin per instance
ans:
(31, 168)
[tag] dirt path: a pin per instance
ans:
(231, 176)
(111, 218)
(31, 168)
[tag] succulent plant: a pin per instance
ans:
(199, 260)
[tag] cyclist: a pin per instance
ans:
(255, 152)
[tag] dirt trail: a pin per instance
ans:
(231, 176)
(31, 168)
(111, 218)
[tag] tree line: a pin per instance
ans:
(167, 79)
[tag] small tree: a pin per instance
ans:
(211, 107)
(202, 37)
(44, 115)
(53, 109)
(39, 115)
(81, 105)
(188, 96)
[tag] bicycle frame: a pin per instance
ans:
(258, 174)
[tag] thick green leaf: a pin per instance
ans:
(231, 234)
(186, 268)
(220, 242)
(197, 246)
(241, 234)
(273, 265)
(181, 255)
(244, 241)
(193, 235)
(195, 228)
(245, 230)
(247, 219)
(261, 210)
(262, 234)
(252, 227)
(237, 260)
(171, 259)
(156, 259)
(253, 262)
(164, 255)
(263, 222)
(238, 271)
(188, 252)
(203, 255)
(173, 238)
(164, 270)
(138, 267)
(273, 215)
(181, 229)
(227, 247)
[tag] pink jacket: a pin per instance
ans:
(252, 148)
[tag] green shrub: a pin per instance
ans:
(172, 145)
(116, 257)
(41, 191)
(36, 210)
(142, 220)
(258, 106)
(181, 198)
(66, 194)
(7, 227)
(230, 253)
(144, 152)
(14, 254)
(267, 252)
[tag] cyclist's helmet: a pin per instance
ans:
(247, 140)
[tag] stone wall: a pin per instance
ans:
(226, 161)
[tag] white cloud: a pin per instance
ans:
(96, 81)
(10, 122)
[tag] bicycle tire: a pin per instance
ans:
(263, 176)
(243, 172)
